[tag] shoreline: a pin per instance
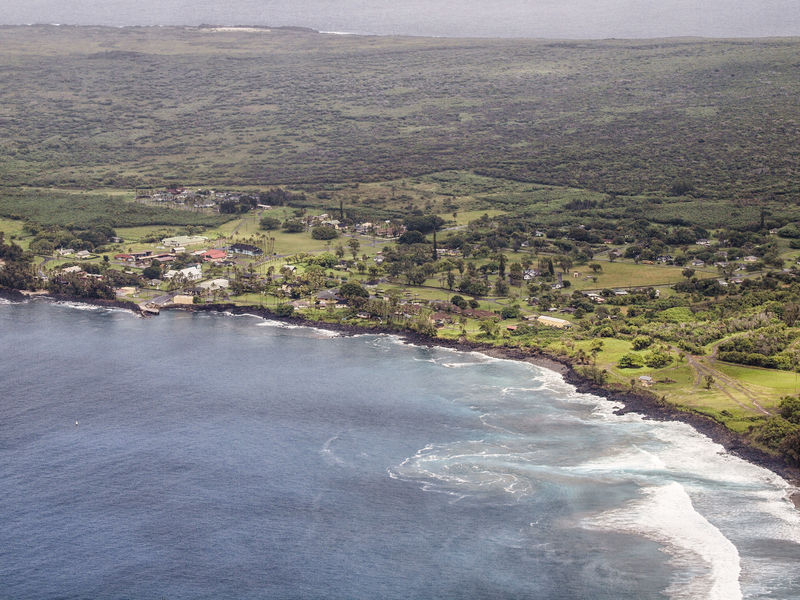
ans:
(648, 406)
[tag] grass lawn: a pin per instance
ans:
(12, 228)
(767, 384)
(626, 274)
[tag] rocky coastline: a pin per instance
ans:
(644, 403)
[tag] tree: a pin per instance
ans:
(790, 409)
(416, 275)
(152, 272)
(284, 310)
(791, 313)
(268, 223)
(565, 262)
(489, 326)
(412, 237)
(458, 301)
(708, 381)
(501, 265)
(630, 361)
(423, 224)
(351, 290)
(596, 267)
(294, 226)
(657, 359)
(688, 273)
(354, 245)
(324, 232)
(501, 287)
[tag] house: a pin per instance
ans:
(530, 274)
(192, 273)
(554, 322)
(125, 257)
(65, 251)
(698, 263)
(703, 242)
(441, 318)
(329, 296)
(214, 255)
(750, 259)
(247, 249)
(83, 254)
(73, 269)
(646, 380)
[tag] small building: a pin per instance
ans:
(646, 380)
(125, 257)
(530, 274)
(331, 295)
(554, 322)
(192, 273)
(214, 255)
(183, 299)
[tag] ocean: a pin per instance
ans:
(449, 18)
(211, 456)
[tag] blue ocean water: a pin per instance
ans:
(211, 456)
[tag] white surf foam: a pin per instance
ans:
(328, 455)
(666, 515)
(291, 326)
(89, 307)
(634, 460)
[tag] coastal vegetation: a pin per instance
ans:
(629, 208)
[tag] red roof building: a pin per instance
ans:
(214, 255)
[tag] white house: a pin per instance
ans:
(192, 273)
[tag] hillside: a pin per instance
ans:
(92, 107)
